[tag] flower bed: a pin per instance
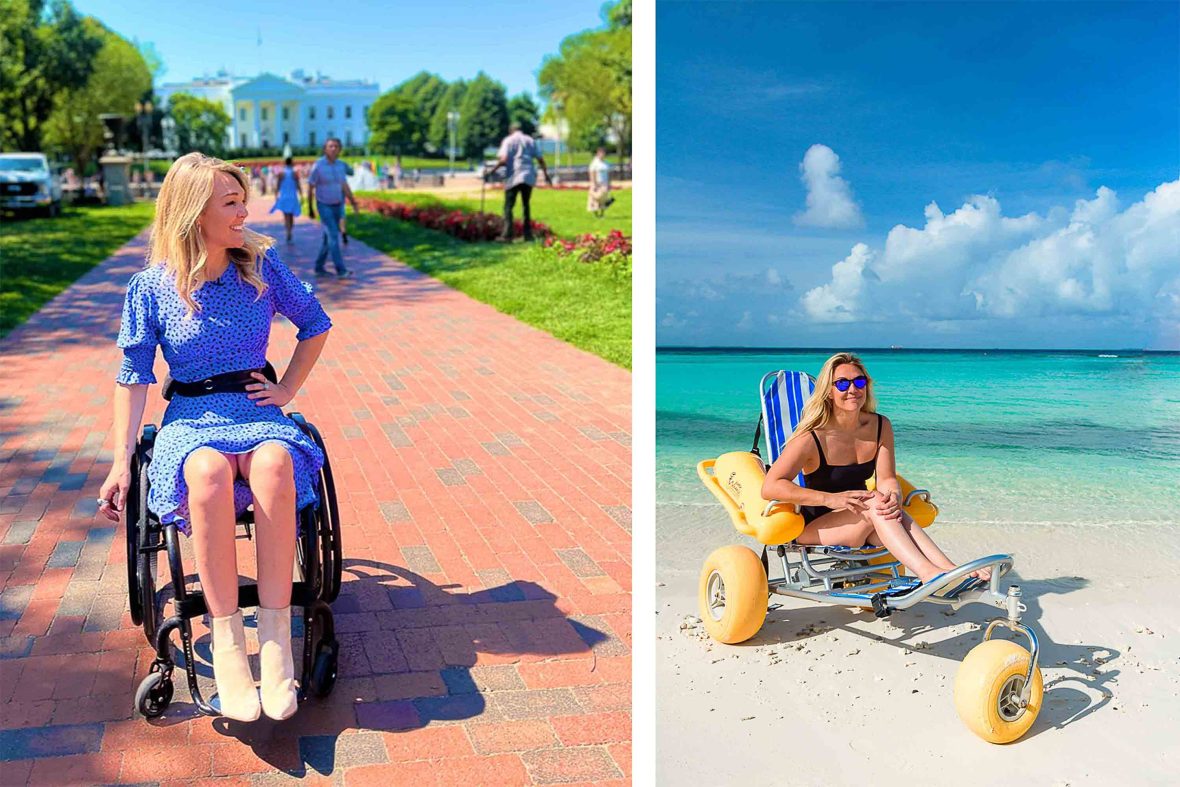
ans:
(612, 247)
(471, 226)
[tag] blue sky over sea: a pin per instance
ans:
(380, 41)
(948, 174)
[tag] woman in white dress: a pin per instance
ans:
(288, 199)
(599, 198)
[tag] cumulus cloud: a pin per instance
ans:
(1094, 260)
(829, 197)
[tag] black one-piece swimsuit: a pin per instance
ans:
(837, 478)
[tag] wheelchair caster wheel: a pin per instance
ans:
(153, 695)
(733, 594)
(323, 671)
(988, 687)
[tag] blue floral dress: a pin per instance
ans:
(230, 332)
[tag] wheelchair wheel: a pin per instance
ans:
(733, 594)
(153, 695)
(988, 687)
(131, 513)
(145, 565)
(323, 670)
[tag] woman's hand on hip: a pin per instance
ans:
(265, 392)
(856, 500)
(113, 492)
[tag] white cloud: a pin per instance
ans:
(840, 300)
(975, 263)
(829, 197)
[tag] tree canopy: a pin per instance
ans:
(42, 54)
(588, 82)
(200, 124)
(523, 110)
(452, 99)
(483, 116)
(395, 124)
(119, 79)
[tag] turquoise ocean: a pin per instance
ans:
(1002, 439)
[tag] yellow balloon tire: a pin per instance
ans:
(982, 678)
(743, 581)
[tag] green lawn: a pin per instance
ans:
(587, 305)
(563, 210)
(41, 257)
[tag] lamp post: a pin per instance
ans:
(558, 106)
(452, 128)
(143, 114)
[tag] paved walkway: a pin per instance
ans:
(483, 470)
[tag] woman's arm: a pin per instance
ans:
(780, 478)
(307, 352)
(129, 403)
(886, 470)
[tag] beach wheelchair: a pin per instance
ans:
(318, 556)
(998, 688)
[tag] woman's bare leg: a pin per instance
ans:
(288, 223)
(210, 478)
(929, 549)
(271, 475)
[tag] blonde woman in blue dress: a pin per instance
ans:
(207, 299)
(288, 198)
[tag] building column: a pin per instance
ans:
(297, 137)
(257, 141)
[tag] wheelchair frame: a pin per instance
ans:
(319, 556)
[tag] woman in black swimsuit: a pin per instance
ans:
(841, 442)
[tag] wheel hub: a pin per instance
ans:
(715, 592)
(1010, 706)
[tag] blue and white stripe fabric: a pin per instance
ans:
(782, 408)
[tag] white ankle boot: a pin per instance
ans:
(231, 669)
(279, 697)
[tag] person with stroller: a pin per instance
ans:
(840, 443)
(207, 298)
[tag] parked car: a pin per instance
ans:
(27, 183)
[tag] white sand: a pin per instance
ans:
(830, 695)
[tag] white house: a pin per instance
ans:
(269, 110)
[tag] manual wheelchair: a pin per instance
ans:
(318, 556)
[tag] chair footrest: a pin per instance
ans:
(193, 605)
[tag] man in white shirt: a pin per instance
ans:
(517, 152)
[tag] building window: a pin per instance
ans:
(264, 111)
(347, 136)
(311, 113)
(366, 112)
(331, 112)
(286, 113)
(242, 114)
(348, 113)
(311, 138)
(243, 140)
(286, 137)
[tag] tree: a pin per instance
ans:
(41, 55)
(483, 120)
(438, 135)
(395, 125)
(425, 90)
(523, 110)
(590, 79)
(200, 124)
(120, 78)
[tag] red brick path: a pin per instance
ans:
(483, 470)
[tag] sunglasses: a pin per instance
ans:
(842, 384)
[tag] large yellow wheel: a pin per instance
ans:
(733, 594)
(987, 691)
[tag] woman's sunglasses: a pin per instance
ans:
(843, 383)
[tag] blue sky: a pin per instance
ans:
(802, 148)
(385, 42)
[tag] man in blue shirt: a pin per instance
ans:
(516, 155)
(327, 188)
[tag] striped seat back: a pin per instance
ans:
(783, 396)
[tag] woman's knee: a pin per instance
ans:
(209, 475)
(271, 468)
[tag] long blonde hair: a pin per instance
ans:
(818, 410)
(176, 242)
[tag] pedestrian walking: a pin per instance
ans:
(599, 198)
(288, 199)
(517, 153)
(327, 188)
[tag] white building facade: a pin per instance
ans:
(270, 111)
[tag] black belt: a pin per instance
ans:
(230, 382)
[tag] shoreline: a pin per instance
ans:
(873, 699)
